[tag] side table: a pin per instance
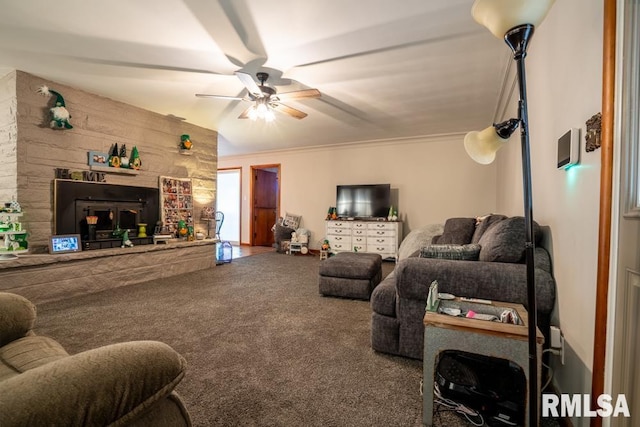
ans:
(488, 338)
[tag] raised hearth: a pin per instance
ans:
(44, 277)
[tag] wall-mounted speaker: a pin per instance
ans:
(569, 149)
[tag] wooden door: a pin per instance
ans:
(265, 206)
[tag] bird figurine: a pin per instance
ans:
(59, 114)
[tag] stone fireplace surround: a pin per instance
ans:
(32, 152)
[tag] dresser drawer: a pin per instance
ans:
(391, 226)
(341, 247)
(359, 225)
(381, 233)
(359, 240)
(339, 240)
(381, 241)
(359, 231)
(359, 248)
(384, 250)
(337, 231)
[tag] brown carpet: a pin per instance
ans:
(263, 347)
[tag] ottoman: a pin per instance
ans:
(350, 275)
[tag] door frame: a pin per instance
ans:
(252, 185)
(239, 169)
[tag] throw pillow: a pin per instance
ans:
(457, 231)
(469, 252)
(483, 223)
(504, 240)
(291, 220)
(417, 239)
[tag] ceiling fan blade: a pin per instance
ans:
(245, 113)
(296, 114)
(250, 84)
(299, 94)
(205, 95)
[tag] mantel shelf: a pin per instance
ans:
(121, 171)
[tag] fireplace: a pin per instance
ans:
(114, 208)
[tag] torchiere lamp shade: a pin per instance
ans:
(483, 145)
(499, 16)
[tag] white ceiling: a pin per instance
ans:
(386, 69)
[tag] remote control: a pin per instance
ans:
(478, 300)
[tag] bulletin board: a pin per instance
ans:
(176, 195)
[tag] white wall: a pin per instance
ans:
(564, 73)
(433, 178)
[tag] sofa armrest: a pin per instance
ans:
(110, 385)
(495, 281)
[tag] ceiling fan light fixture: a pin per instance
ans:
(261, 109)
(269, 116)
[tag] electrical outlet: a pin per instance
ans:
(556, 337)
(557, 342)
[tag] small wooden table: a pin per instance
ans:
(488, 338)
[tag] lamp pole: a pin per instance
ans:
(518, 39)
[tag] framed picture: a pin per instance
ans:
(97, 158)
(176, 202)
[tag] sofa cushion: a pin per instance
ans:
(457, 231)
(468, 252)
(504, 240)
(17, 317)
(483, 223)
(28, 353)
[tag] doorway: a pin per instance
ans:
(228, 201)
(265, 203)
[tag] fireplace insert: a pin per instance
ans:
(100, 212)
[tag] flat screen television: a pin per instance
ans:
(363, 201)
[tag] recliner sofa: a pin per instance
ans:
(495, 271)
(126, 384)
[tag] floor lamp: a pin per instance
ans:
(515, 20)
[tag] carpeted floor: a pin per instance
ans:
(263, 347)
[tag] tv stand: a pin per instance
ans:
(373, 235)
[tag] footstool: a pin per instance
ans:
(350, 275)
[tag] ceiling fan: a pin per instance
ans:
(265, 98)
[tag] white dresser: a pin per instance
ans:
(380, 237)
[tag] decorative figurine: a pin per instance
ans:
(134, 160)
(114, 157)
(59, 114)
(182, 228)
(185, 142)
(124, 160)
(126, 243)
